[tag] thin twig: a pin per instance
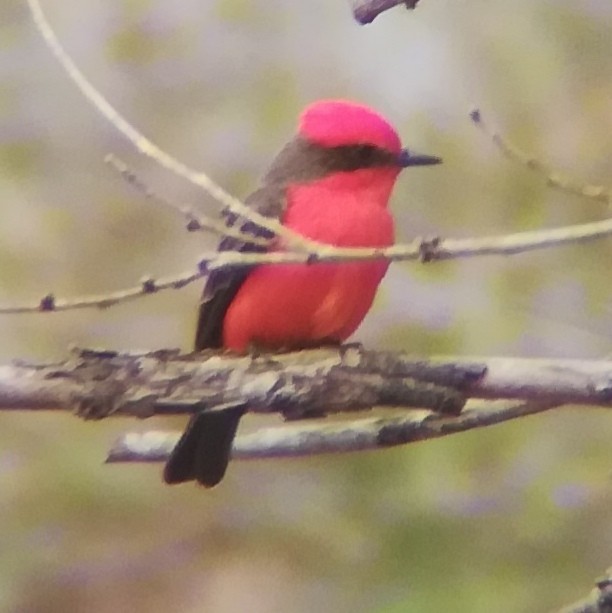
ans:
(303, 250)
(150, 149)
(148, 285)
(427, 250)
(366, 11)
(553, 178)
(195, 221)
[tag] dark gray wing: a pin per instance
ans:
(204, 449)
(298, 162)
(223, 285)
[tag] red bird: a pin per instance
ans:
(332, 184)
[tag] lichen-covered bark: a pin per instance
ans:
(96, 384)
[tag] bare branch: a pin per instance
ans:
(150, 149)
(148, 285)
(425, 250)
(314, 439)
(97, 384)
(195, 221)
(426, 395)
(366, 11)
(301, 250)
(553, 178)
(326, 380)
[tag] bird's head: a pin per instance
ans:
(357, 145)
(338, 123)
(342, 123)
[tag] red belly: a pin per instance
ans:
(295, 306)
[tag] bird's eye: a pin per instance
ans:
(366, 152)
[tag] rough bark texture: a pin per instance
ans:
(96, 384)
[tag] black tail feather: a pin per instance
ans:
(203, 451)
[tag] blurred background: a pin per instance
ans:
(513, 518)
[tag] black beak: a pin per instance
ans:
(410, 158)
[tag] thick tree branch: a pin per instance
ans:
(327, 380)
(98, 384)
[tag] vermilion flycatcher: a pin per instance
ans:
(332, 184)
